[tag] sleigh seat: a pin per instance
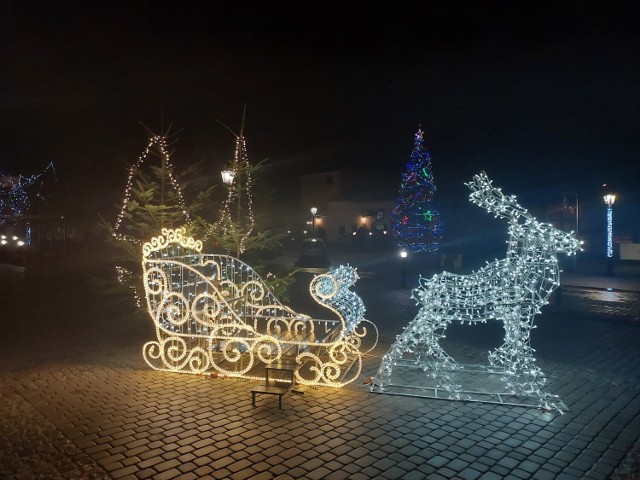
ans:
(214, 315)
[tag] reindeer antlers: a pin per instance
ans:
(491, 198)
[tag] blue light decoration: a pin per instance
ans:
(19, 193)
(417, 223)
(609, 200)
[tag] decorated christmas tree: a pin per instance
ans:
(417, 223)
(237, 219)
(153, 200)
(21, 194)
(237, 231)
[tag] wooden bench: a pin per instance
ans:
(273, 380)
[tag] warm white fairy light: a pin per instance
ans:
(513, 290)
(240, 166)
(214, 313)
(161, 144)
(125, 278)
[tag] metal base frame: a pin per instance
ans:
(488, 379)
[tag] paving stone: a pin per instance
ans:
(222, 474)
(519, 473)
(438, 461)
(168, 474)
(124, 472)
(469, 474)
(457, 465)
(544, 475)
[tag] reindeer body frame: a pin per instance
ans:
(512, 290)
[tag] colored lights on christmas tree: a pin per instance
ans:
(417, 223)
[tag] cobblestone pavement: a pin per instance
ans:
(77, 401)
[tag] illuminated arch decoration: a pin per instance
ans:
(512, 290)
(214, 315)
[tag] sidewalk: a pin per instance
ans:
(601, 282)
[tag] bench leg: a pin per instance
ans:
(280, 401)
(253, 398)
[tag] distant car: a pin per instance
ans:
(313, 253)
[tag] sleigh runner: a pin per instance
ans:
(214, 315)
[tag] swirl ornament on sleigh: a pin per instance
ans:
(213, 313)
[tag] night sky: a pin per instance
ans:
(542, 96)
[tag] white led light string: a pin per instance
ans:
(512, 290)
(240, 164)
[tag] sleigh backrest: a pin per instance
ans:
(187, 290)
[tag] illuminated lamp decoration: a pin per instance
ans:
(609, 200)
(417, 223)
(512, 290)
(214, 315)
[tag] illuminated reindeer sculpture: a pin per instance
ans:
(511, 290)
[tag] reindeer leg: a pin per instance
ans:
(419, 345)
(522, 374)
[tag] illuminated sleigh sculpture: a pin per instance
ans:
(512, 290)
(214, 315)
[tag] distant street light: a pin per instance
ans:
(403, 268)
(609, 200)
(314, 210)
(575, 257)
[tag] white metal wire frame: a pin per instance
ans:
(512, 290)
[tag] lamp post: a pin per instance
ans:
(314, 210)
(403, 268)
(609, 200)
(227, 179)
(575, 257)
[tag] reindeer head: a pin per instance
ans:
(485, 195)
(526, 234)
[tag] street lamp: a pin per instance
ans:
(403, 268)
(609, 200)
(227, 177)
(314, 210)
(575, 257)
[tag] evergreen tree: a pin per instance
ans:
(417, 223)
(236, 231)
(153, 200)
(237, 219)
